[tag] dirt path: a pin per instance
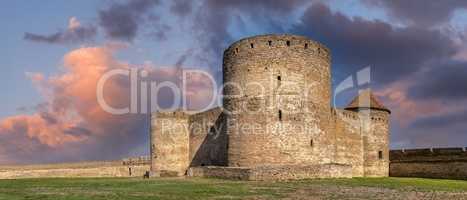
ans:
(343, 192)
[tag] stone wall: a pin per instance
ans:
(278, 101)
(68, 170)
(285, 172)
(348, 140)
(208, 138)
(375, 131)
(362, 140)
(180, 140)
(170, 143)
(449, 163)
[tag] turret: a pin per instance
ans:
(374, 118)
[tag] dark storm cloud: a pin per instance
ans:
(356, 43)
(441, 121)
(78, 34)
(213, 18)
(420, 12)
(122, 20)
(252, 7)
(182, 7)
(445, 82)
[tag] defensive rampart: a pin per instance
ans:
(124, 168)
(448, 163)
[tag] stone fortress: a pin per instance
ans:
(276, 122)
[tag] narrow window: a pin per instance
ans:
(288, 43)
(280, 115)
(129, 171)
(236, 50)
(380, 155)
(319, 51)
(278, 78)
(270, 43)
(252, 46)
(306, 45)
(311, 142)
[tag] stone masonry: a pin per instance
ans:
(276, 121)
(449, 163)
(122, 168)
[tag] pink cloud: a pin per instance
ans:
(71, 125)
(405, 109)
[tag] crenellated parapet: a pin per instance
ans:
(428, 155)
(178, 114)
(269, 44)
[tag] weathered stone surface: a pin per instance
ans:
(450, 163)
(295, 80)
(276, 113)
(208, 138)
(170, 146)
(67, 170)
(292, 172)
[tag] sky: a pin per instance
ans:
(54, 52)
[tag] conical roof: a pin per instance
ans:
(367, 100)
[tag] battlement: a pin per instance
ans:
(447, 163)
(180, 114)
(427, 155)
(142, 160)
(346, 114)
(171, 114)
(262, 43)
(355, 115)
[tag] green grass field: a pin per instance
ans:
(181, 188)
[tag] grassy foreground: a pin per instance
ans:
(194, 188)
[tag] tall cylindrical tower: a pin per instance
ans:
(277, 98)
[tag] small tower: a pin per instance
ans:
(374, 119)
(366, 101)
(169, 143)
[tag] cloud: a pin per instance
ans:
(212, 20)
(392, 52)
(74, 33)
(420, 12)
(123, 20)
(441, 121)
(405, 109)
(422, 122)
(72, 126)
(444, 82)
(182, 7)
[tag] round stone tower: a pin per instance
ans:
(375, 131)
(277, 101)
